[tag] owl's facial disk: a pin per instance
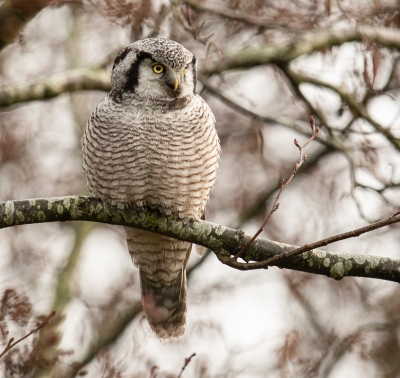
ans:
(158, 80)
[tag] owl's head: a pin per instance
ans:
(154, 68)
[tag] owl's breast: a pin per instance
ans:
(152, 156)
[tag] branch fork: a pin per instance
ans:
(284, 184)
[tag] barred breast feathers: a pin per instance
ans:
(147, 155)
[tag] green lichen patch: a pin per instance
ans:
(20, 216)
(32, 202)
(373, 261)
(310, 262)
(41, 216)
(214, 243)
(163, 225)
(327, 262)
(337, 271)
(60, 209)
(9, 211)
(67, 202)
(359, 259)
(128, 216)
(186, 232)
(102, 216)
(347, 266)
(197, 228)
(116, 218)
(74, 211)
(320, 254)
(176, 227)
(220, 230)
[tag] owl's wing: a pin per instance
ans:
(112, 151)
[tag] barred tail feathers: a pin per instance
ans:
(162, 262)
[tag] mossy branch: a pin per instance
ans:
(222, 240)
(53, 86)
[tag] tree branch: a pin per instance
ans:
(218, 238)
(14, 15)
(356, 107)
(93, 78)
(284, 184)
(233, 15)
(12, 343)
(305, 44)
(53, 86)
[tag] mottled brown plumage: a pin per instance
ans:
(152, 142)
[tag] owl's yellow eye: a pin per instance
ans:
(184, 72)
(158, 68)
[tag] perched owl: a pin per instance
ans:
(151, 142)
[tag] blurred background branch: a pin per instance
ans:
(14, 15)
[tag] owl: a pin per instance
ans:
(152, 142)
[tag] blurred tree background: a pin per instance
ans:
(264, 67)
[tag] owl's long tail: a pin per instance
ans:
(162, 262)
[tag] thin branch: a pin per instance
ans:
(218, 238)
(275, 206)
(12, 344)
(278, 259)
(162, 15)
(287, 122)
(356, 107)
(305, 44)
(110, 335)
(233, 15)
(260, 205)
(186, 23)
(187, 362)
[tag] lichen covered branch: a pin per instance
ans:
(222, 240)
(53, 86)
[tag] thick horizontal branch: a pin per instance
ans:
(222, 240)
(305, 44)
(95, 78)
(53, 86)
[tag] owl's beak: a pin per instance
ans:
(176, 84)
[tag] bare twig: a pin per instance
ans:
(188, 24)
(275, 260)
(275, 206)
(355, 106)
(234, 15)
(12, 344)
(187, 361)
